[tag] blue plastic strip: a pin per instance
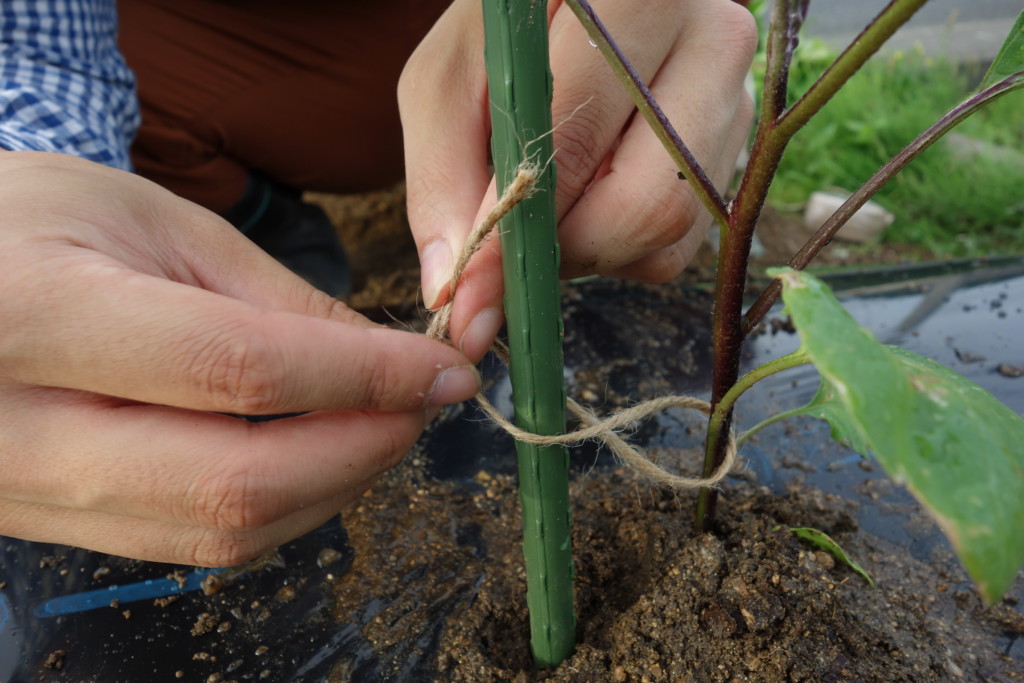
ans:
(132, 592)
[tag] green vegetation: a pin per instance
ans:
(948, 205)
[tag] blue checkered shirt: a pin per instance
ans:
(64, 86)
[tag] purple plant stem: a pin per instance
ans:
(828, 230)
(734, 247)
(650, 110)
(775, 128)
(786, 19)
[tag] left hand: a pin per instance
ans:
(622, 210)
(130, 321)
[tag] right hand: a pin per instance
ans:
(130, 321)
(620, 206)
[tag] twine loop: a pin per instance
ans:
(592, 426)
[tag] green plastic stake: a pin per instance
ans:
(519, 80)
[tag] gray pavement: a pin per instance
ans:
(959, 29)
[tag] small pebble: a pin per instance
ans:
(327, 557)
(286, 594)
(824, 559)
(1007, 370)
(212, 584)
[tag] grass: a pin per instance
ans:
(945, 205)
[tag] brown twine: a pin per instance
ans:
(593, 427)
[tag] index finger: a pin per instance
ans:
(446, 142)
(123, 333)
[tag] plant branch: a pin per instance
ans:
(720, 423)
(827, 232)
(767, 422)
(766, 150)
(775, 125)
(784, 29)
(652, 113)
(777, 417)
(895, 14)
(792, 360)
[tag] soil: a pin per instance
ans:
(656, 602)
(442, 560)
(375, 231)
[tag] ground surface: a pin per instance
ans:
(655, 601)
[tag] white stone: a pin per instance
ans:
(866, 224)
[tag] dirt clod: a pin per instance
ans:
(212, 584)
(204, 624)
(55, 660)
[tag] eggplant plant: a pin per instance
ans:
(951, 443)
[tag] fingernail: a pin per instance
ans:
(453, 385)
(480, 332)
(436, 264)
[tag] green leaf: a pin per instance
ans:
(826, 406)
(954, 445)
(821, 540)
(1010, 60)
